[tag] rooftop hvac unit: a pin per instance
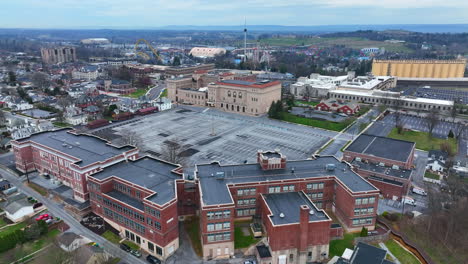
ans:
(382, 164)
(358, 159)
(281, 215)
(395, 167)
(220, 175)
(330, 167)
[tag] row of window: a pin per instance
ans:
(127, 222)
(277, 189)
(318, 195)
(153, 223)
(245, 192)
(362, 221)
(124, 210)
(122, 188)
(153, 212)
(251, 201)
(234, 94)
(246, 212)
(219, 237)
(363, 211)
(370, 200)
(218, 215)
(315, 186)
(93, 186)
(218, 226)
(151, 246)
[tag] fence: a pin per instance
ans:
(371, 239)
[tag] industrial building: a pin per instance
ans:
(58, 55)
(420, 68)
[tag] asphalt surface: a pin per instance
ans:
(75, 226)
(154, 92)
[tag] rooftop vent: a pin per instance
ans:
(330, 167)
(220, 175)
(395, 167)
(311, 212)
(281, 215)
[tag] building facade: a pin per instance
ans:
(68, 157)
(420, 68)
(58, 55)
(243, 191)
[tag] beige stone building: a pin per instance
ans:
(225, 91)
(420, 68)
(58, 55)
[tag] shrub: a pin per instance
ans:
(364, 232)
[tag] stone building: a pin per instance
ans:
(58, 55)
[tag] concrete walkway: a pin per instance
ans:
(383, 246)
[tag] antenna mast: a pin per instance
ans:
(245, 38)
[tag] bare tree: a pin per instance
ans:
(171, 151)
(307, 93)
(64, 102)
(130, 138)
(2, 118)
(40, 80)
(432, 119)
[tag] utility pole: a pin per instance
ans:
(245, 39)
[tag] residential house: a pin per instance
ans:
(338, 106)
(163, 103)
(17, 208)
(437, 161)
(88, 254)
(70, 241)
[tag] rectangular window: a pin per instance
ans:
(309, 186)
(159, 251)
(371, 200)
(157, 225)
(219, 226)
(151, 246)
(356, 211)
(226, 225)
(365, 201)
(210, 227)
(358, 201)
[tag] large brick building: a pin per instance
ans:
(385, 162)
(68, 157)
(225, 91)
(244, 191)
(143, 197)
(58, 55)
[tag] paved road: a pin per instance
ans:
(154, 92)
(75, 226)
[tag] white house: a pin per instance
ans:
(436, 160)
(18, 208)
(70, 241)
(163, 104)
(19, 104)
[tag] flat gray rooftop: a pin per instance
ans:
(88, 149)
(288, 204)
(384, 147)
(147, 172)
(400, 173)
(215, 190)
(236, 138)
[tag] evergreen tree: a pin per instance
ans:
(451, 135)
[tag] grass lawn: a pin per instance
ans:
(164, 93)
(241, 240)
(334, 126)
(138, 93)
(422, 139)
(38, 189)
(351, 42)
(61, 124)
(298, 103)
(192, 226)
(337, 247)
(2, 222)
(11, 229)
(400, 253)
(326, 146)
(131, 244)
(431, 175)
(346, 145)
(111, 237)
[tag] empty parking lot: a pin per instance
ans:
(211, 135)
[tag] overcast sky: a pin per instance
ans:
(155, 13)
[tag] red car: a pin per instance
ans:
(44, 217)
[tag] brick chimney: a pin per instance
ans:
(303, 227)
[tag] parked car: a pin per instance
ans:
(420, 191)
(44, 217)
(409, 200)
(153, 260)
(125, 247)
(135, 253)
(250, 261)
